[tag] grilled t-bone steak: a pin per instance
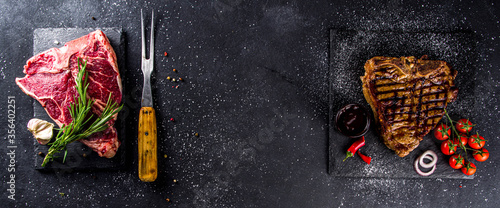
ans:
(408, 97)
(50, 79)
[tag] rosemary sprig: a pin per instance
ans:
(79, 112)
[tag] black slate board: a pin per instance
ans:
(349, 50)
(46, 38)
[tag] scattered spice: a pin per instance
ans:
(173, 80)
(61, 193)
(169, 78)
(175, 181)
(93, 18)
(175, 70)
(165, 53)
(176, 86)
(84, 155)
(41, 154)
(196, 134)
(168, 199)
(165, 156)
(172, 119)
(180, 79)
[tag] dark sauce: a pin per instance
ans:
(352, 120)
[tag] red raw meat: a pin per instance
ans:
(50, 79)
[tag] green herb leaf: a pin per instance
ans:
(80, 113)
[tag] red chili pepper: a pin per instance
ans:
(354, 147)
(365, 158)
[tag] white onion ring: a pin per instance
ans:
(433, 159)
(429, 154)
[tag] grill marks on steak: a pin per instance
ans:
(408, 97)
(50, 79)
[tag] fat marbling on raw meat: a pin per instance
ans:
(50, 79)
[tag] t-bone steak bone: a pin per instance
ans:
(50, 79)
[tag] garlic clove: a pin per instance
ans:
(41, 130)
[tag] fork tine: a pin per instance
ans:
(142, 37)
(152, 42)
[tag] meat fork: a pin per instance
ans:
(147, 141)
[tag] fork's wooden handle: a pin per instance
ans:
(148, 167)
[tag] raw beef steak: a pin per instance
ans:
(50, 79)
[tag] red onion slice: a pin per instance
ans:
(433, 159)
(430, 155)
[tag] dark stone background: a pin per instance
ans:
(256, 91)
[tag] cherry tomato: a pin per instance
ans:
(448, 147)
(469, 168)
(456, 161)
(442, 132)
(481, 155)
(476, 141)
(464, 125)
(462, 138)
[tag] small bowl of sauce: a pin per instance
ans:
(352, 120)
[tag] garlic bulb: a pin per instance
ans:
(41, 130)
